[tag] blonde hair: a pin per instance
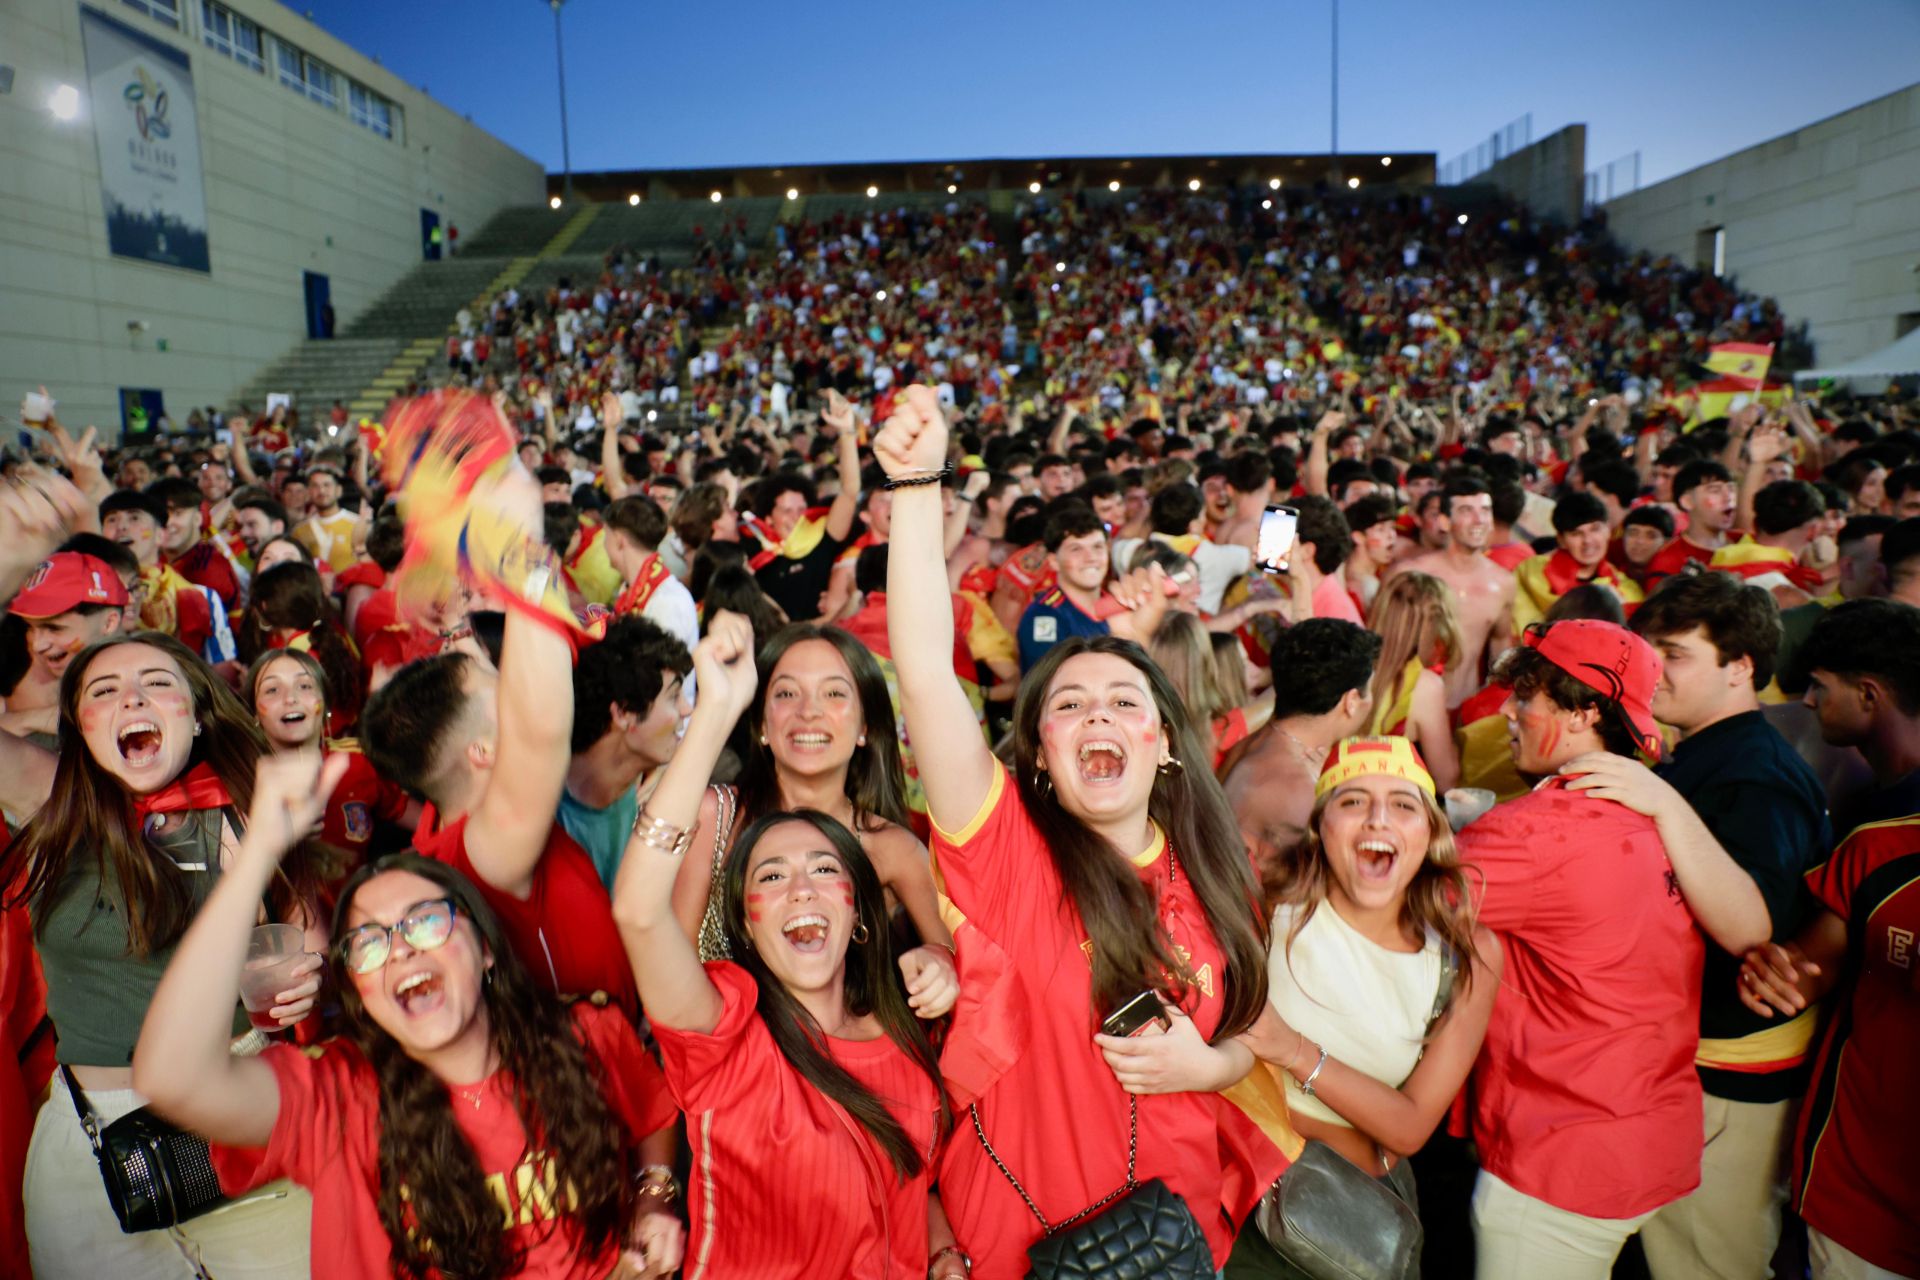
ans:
(1413, 615)
(1229, 668)
(1182, 649)
(1438, 899)
(1166, 473)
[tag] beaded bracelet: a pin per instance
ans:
(913, 481)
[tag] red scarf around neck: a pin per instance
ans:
(198, 788)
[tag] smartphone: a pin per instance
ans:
(1133, 1017)
(1275, 543)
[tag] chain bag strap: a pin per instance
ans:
(156, 1175)
(1139, 1231)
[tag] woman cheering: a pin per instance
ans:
(469, 1124)
(1106, 864)
(813, 1097)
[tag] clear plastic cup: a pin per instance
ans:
(1467, 804)
(272, 952)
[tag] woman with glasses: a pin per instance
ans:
(467, 1124)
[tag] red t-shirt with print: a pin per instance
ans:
(1585, 1094)
(327, 1139)
(563, 929)
(1854, 1171)
(362, 796)
(1058, 1119)
(768, 1148)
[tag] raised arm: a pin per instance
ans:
(183, 1063)
(920, 614)
(1330, 422)
(240, 451)
(674, 987)
(1767, 442)
(37, 510)
(612, 474)
(846, 503)
(509, 827)
(1723, 898)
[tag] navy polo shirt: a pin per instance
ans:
(1769, 812)
(1050, 619)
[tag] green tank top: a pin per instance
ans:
(97, 991)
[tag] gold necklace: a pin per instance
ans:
(1307, 754)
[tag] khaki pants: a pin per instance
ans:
(1728, 1227)
(1517, 1237)
(1833, 1262)
(73, 1235)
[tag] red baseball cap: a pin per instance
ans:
(64, 582)
(1610, 660)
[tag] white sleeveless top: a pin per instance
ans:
(1366, 1006)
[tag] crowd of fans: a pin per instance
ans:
(942, 824)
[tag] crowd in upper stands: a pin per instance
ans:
(1156, 690)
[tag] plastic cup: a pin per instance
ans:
(1466, 804)
(272, 952)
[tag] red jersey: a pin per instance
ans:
(204, 564)
(563, 929)
(396, 644)
(997, 871)
(768, 1147)
(362, 796)
(1853, 1161)
(327, 1139)
(377, 612)
(1585, 1094)
(1672, 558)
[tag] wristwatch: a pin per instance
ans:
(949, 1251)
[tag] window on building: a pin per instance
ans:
(166, 11)
(287, 59)
(369, 110)
(323, 84)
(227, 32)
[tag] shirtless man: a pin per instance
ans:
(1250, 485)
(1322, 692)
(1482, 590)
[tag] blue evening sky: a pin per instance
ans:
(715, 82)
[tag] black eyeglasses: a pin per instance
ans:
(426, 927)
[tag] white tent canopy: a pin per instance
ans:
(1900, 360)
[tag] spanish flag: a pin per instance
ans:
(1744, 361)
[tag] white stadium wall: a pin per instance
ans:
(1825, 219)
(294, 180)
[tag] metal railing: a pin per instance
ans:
(1499, 144)
(1615, 178)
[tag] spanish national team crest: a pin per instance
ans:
(359, 821)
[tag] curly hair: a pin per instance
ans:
(626, 669)
(433, 1200)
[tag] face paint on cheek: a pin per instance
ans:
(92, 717)
(846, 892)
(755, 903)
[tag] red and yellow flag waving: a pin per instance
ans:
(1746, 361)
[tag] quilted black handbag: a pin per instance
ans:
(157, 1176)
(1142, 1231)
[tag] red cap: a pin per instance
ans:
(1610, 660)
(66, 581)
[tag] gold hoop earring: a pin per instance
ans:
(1042, 783)
(860, 932)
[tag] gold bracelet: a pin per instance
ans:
(663, 836)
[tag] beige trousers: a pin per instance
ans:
(1517, 1237)
(1728, 1227)
(73, 1235)
(1834, 1262)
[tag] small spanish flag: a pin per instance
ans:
(1746, 361)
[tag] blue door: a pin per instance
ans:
(319, 305)
(430, 235)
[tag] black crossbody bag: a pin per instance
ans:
(1142, 1231)
(157, 1175)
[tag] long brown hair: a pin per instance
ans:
(1438, 899)
(876, 781)
(292, 597)
(872, 986)
(90, 813)
(1131, 953)
(433, 1200)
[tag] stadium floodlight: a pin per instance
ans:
(634, 198)
(1462, 219)
(1114, 185)
(553, 202)
(1034, 187)
(1266, 204)
(715, 197)
(872, 192)
(1273, 184)
(1385, 161)
(1353, 184)
(566, 139)
(793, 193)
(880, 295)
(653, 415)
(64, 102)
(1060, 267)
(1193, 184)
(952, 189)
